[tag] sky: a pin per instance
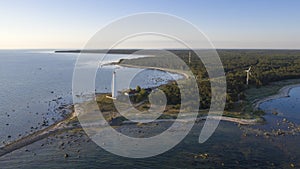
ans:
(56, 24)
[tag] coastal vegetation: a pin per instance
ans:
(268, 66)
(269, 70)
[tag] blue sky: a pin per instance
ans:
(228, 23)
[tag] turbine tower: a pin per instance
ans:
(248, 75)
(190, 55)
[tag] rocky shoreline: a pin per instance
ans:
(62, 125)
(36, 136)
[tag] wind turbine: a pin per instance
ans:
(190, 55)
(248, 75)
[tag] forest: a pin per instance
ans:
(266, 66)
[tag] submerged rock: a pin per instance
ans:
(292, 165)
(279, 132)
(202, 156)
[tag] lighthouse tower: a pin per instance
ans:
(113, 86)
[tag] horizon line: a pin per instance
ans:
(66, 49)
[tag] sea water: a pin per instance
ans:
(285, 107)
(34, 85)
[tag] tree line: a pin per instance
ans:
(266, 66)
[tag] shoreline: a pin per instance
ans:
(156, 68)
(283, 92)
(221, 118)
(36, 136)
(61, 126)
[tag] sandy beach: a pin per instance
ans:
(157, 68)
(185, 120)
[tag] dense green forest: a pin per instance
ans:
(266, 66)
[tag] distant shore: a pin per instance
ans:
(98, 51)
(283, 92)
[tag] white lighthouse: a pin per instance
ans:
(113, 86)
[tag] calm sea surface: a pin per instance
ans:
(288, 107)
(34, 84)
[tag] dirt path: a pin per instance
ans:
(223, 118)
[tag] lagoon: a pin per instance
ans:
(286, 107)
